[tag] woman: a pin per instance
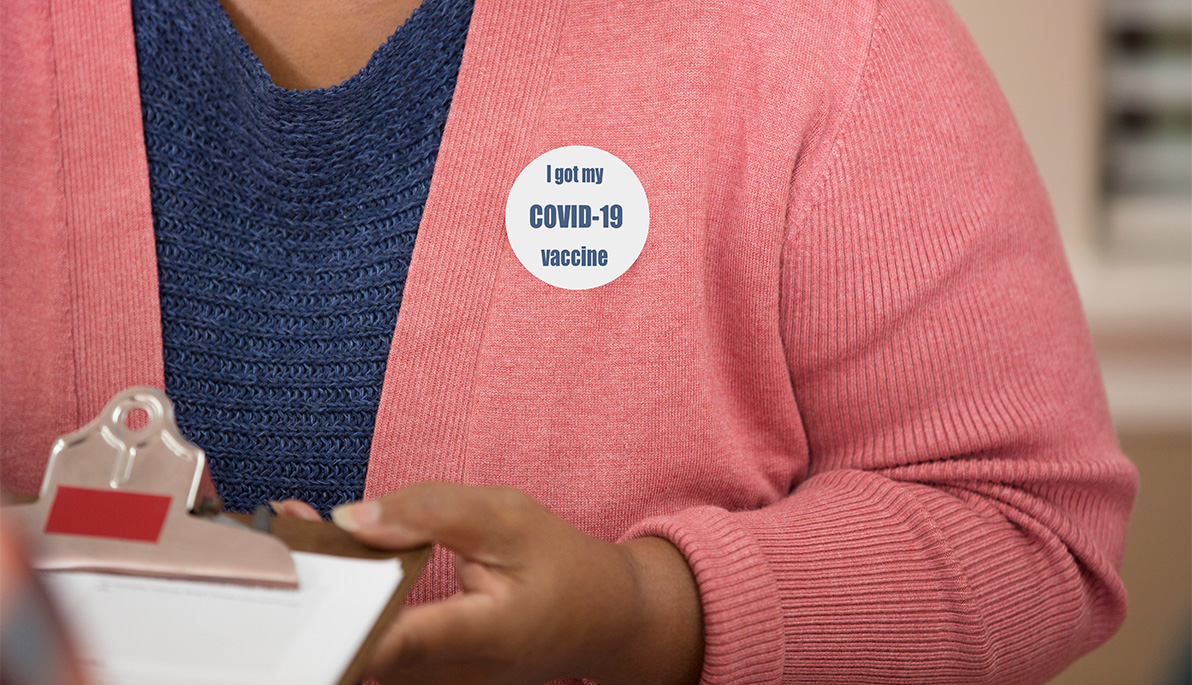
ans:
(840, 422)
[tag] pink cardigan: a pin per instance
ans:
(849, 375)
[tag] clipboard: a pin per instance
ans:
(117, 498)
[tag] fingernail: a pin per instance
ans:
(276, 507)
(356, 516)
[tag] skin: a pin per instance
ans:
(521, 591)
(527, 612)
(307, 44)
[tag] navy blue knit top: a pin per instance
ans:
(285, 221)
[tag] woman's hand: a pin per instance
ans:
(539, 600)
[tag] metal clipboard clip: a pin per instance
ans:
(117, 496)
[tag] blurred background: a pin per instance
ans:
(1103, 92)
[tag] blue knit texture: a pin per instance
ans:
(285, 221)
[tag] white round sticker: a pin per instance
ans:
(577, 217)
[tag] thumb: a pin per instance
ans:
(467, 519)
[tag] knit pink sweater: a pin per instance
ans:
(848, 377)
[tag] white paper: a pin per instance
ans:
(150, 631)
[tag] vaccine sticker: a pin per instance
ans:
(577, 217)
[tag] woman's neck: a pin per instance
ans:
(307, 44)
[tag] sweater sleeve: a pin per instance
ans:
(965, 505)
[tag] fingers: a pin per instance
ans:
(295, 509)
(455, 631)
(465, 518)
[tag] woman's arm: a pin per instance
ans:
(966, 504)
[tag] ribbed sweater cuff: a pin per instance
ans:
(847, 580)
(743, 635)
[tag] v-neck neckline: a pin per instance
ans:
(503, 79)
(234, 42)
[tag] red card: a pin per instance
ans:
(107, 513)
